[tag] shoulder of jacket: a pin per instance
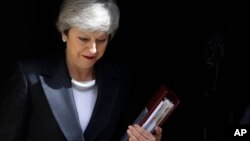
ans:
(34, 67)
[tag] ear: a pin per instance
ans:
(64, 37)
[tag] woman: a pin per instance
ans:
(77, 97)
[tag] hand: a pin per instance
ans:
(137, 133)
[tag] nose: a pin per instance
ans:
(92, 48)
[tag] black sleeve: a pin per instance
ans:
(14, 111)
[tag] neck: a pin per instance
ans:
(80, 74)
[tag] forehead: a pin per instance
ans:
(79, 31)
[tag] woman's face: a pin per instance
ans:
(84, 48)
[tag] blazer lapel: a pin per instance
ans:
(108, 86)
(60, 98)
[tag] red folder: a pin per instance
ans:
(158, 109)
(161, 93)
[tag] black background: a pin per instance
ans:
(163, 42)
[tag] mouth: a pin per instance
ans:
(88, 57)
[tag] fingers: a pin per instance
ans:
(158, 133)
(136, 133)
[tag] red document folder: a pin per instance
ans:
(162, 93)
(158, 109)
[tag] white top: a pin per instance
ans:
(85, 94)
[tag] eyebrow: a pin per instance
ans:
(101, 36)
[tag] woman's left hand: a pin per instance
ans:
(137, 133)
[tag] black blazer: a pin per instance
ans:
(39, 104)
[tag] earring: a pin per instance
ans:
(63, 39)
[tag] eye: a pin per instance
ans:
(84, 39)
(101, 40)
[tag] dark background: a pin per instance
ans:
(183, 44)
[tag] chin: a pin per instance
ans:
(87, 65)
